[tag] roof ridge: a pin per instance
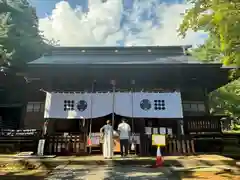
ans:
(180, 50)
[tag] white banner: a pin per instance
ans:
(149, 105)
(77, 105)
(138, 104)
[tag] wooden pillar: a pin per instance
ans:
(180, 86)
(23, 115)
(142, 146)
(206, 101)
(132, 101)
(113, 83)
(25, 89)
(180, 122)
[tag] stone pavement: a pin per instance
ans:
(81, 172)
(75, 170)
(96, 168)
(96, 172)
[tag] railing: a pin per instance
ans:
(199, 126)
(67, 145)
(77, 145)
(174, 146)
(12, 141)
(182, 146)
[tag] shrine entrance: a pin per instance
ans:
(95, 142)
(83, 114)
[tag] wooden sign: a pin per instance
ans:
(158, 140)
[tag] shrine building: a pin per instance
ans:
(159, 90)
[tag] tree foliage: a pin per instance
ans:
(226, 100)
(221, 20)
(209, 51)
(20, 39)
(4, 56)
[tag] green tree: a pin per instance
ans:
(226, 100)
(209, 51)
(4, 56)
(20, 38)
(221, 19)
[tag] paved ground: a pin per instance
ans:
(108, 171)
(95, 168)
(79, 172)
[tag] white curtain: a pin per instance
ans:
(149, 105)
(123, 104)
(77, 105)
(101, 104)
(87, 105)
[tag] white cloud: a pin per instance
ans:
(101, 26)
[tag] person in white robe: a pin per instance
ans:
(107, 131)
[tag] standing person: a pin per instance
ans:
(107, 132)
(124, 130)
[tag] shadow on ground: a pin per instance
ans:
(14, 176)
(123, 173)
(140, 173)
(207, 175)
(118, 169)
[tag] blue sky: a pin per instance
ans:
(113, 23)
(46, 6)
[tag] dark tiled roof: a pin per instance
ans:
(113, 59)
(117, 55)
